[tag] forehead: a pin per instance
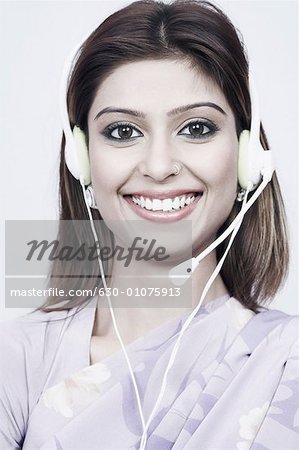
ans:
(151, 85)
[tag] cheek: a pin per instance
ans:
(225, 171)
(103, 179)
(217, 165)
(106, 171)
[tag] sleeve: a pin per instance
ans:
(13, 388)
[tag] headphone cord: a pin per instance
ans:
(187, 323)
(233, 228)
(110, 305)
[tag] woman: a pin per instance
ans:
(161, 95)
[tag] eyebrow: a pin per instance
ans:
(173, 112)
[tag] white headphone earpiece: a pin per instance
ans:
(243, 159)
(254, 162)
(76, 147)
(76, 155)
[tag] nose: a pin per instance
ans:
(158, 160)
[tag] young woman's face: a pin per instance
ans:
(148, 116)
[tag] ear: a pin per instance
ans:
(82, 155)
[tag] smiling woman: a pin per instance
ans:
(162, 131)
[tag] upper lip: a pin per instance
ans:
(163, 195)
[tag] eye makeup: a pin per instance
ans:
(199, 129)
(195, 129)
(121, 131)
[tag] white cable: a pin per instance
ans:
(174, 272)
(233, 228)
(234, 223)
(187, 323)
(110, 305)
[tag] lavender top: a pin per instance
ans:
(234, 384)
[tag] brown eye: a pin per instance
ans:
(125, 132)
(199, 130)
(121, 132)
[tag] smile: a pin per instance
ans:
(167, 204)
(163, 209)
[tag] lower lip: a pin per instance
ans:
(163, 216)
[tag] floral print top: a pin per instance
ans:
(234, 383)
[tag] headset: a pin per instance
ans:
(255, 170)
(255, 164)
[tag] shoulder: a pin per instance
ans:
(26, 335)
(280, 357)
(32, 339)
(27, 346)
(286, 325)
(268, 328)
(32, 349)
(276, 329)
(30, 344)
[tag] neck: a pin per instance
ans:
(137, 312)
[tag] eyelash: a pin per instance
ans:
(107, 133)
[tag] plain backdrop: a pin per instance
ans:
(35, 39)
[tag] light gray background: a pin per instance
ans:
(36, 37)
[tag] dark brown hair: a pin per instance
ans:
(200, 33)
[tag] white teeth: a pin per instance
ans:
(136, 200)
(176, 203)
(148, 204)
(167, 204)
(157, 205)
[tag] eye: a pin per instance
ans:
(199, 129)
(121, 132)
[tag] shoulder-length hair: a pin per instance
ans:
(202, 34)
